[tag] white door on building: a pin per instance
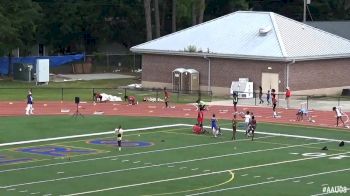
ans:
(269, 81)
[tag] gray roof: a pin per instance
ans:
(340, 28)
(236, 35)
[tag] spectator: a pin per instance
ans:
(166, 98)
(29, 108)
(268, 95)
(287, 97)
(260, 95)
(235, 101)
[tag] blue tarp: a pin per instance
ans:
(55, 61)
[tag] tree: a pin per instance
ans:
(18, 27)
(156, 18)
(173, 18)
(147, 5)
(201, 11)
(198, 8)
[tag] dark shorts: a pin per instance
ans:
(119, 143)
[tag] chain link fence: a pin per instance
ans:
(105, 62)
(88, 94)
(157, 95)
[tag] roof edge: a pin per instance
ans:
(278, 35)
(242, 57)
(208, 55)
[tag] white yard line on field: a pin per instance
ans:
(131, 154)
(86, 135)
(284, 135)
(161, 164)
(272, 181)
(219, 172)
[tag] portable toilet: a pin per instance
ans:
(190, 80)
(177, 78)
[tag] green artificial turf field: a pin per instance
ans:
(167, 159)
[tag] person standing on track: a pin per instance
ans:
(260, 95)
(166, 98)
(29, 108)
(287, 97)
(268, 95)
(235, 101)
(339, 115)
(274, 103)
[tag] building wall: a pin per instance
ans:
(306, 75)
(157, 71)
(320, 74)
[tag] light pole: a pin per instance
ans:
(209, 87)
(306, 2)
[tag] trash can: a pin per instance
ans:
(23, 72)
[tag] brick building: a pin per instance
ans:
(271, 50)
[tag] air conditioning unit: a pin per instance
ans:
(243, 87)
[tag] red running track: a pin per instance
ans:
(262, 114)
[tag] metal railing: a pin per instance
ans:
(157, 95)
(309, 102)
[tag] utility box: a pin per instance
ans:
(23, 72)
(42, 71)
(177, 79)
(190, 80)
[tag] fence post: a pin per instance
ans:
(338, 101)
(199, 95)
(255, 98)
(93, 93)
(135, 63)
(107, 57)
(124, 94)
(61, 94)
(307, 102)
(178, 96)
(157, 95)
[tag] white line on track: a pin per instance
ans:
(131, 154)
(273, 181)
(172, 163)
(219, 172)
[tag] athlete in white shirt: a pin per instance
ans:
(339, 115)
